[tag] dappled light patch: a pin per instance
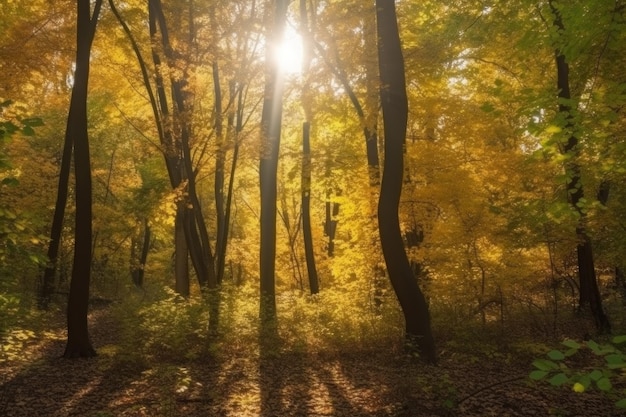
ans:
(381, 381)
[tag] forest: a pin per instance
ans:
(312, 208)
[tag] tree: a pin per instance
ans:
(395, 113)
(589, 294)
(271, 117)
(306, 154)
(78, 343)
(306, 209)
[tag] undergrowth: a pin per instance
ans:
(179, 329)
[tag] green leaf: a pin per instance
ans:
(33, 122)
(545, 365)
(621, 403)
(619, 339)
(28, 131)
(558, 379)
(595, 348)
(12, 182)
(538, 375)
(571, 344)
(487, 107)
(556, 355)
(596, 374)
(614, 359)
(604, 384)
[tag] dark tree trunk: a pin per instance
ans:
(590, 298)
(47, 281)
(270, 143)
(306, 209)
(181, 258)
(395, 113)
(330, 225)
(137, 273)
(178, 153)
(170, 151)
(220, 156)
(78, 343)
(238, 121)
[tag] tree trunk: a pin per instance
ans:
(47, 281)
(137, 273)
(590, 298)
(270, 143)
(220, 156)
(306, 210)
(78, 343)
(176, 148)
(330, 224)
(221, 255)
(181, 258)
(395, 113)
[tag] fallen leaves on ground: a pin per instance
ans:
(375, 383)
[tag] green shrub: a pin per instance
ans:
(585, 365)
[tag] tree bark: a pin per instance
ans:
(139, 267)
(306, 210)
(47, 281)
(395, 113)
(589, 295)
(181, 256)
(178, 153)
(270, 143)
(237, 120)
(220, 156)
(78, 343)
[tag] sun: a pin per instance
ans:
(289, 53)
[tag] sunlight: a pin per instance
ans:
(289, 53)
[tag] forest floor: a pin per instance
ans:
(373, 383)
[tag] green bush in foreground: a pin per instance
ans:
(585, 365)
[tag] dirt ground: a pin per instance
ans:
(378, 383)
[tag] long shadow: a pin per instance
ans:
(270, 382)
(53, 386)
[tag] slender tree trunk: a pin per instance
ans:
(78, 343)
(178, 152)
(270, 143)
(306, 210)
(220, 156)
(306, 151)
(47, 281)
(590, 298)
(137, 273)
(221, 256)
(181, 258)
(368, 118)
(395, 114)
(330, 225)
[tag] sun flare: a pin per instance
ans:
(289, 53)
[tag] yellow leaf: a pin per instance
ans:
(578, 387)
(553, 129)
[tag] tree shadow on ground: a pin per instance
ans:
(54, 386)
